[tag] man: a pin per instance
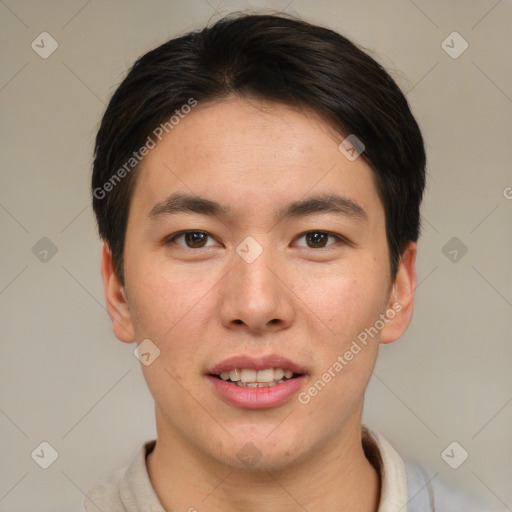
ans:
(257, 186)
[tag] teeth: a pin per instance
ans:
(248, 375)
(265, 375)
(252, 379)
(258, 384)
(234, 375)
(278, 373)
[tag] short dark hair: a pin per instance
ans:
(275, 58)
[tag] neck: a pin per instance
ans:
(336, 477)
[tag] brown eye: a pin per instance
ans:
(318, 239)
(193, 239)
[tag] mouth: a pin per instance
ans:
(261, 382)
(250, 378)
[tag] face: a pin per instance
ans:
(254, 244)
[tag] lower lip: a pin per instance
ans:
(257, 398)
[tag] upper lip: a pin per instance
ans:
(261, 362)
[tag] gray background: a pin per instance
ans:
(66, 380)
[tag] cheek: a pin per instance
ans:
(344, 357)
(350, 303)
(167, 301)
(346, 299)
(169, 309)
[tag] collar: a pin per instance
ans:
(391, 468)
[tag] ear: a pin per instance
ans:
(117, 303)
(401, 299)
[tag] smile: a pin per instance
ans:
(250, 378)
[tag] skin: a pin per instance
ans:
(202, 305)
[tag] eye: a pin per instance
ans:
(199, 239)
(192, 239)
(319, 239)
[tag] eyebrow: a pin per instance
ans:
(179, 202)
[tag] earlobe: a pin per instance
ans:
(401, 298)
(117, 302)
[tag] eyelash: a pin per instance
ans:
(339, 238)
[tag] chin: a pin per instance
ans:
(258, 453)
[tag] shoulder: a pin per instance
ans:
(126, 488)
(414, 487)
(105, 494)
(430, 492)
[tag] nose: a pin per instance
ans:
(256, 296)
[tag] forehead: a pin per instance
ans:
(252, 151)
(250, 128)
